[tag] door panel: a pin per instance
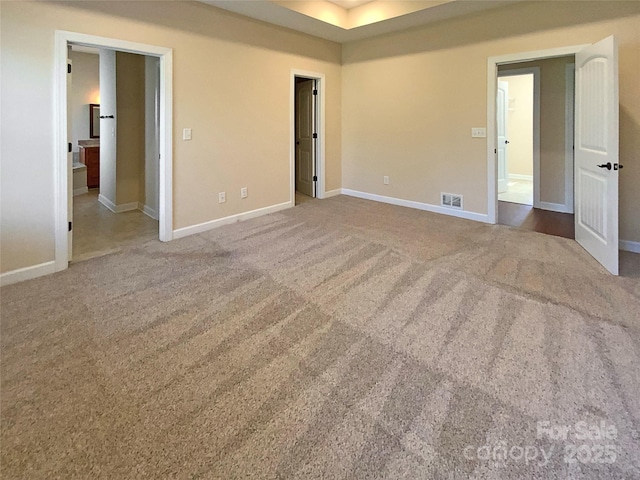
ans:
(596, 134)
(593, 198)
(69, 161)
(305, 161)
(501, 109)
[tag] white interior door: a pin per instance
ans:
(69, 161)
(501, 113)
(305, 148)
(596, 152)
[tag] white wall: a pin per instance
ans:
(151, 175)
(85, 90)
(130, 129)
(108, 126)
(122, 152)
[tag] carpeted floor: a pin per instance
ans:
(339, 339)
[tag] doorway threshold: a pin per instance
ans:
(525, 217)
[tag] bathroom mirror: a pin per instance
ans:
(94, 120)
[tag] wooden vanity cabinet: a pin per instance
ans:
(90, 156)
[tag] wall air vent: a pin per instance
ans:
(451, 200)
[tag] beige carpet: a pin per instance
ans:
(340, 339)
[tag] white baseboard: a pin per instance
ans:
(148, 211)
(553, 207)
(107, 203)
(332, 193)
(127, 207)
(478, 217)
(629, 246)
(203, 227)
(123, 207)
(517, 176)
(27, 273)
(80, 191)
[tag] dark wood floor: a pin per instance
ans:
(528, 218)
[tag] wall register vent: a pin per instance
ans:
(451, 200)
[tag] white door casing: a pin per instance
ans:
(305, 128)
(62, 169)
(320, 104)
(501, 125)
(596, 151)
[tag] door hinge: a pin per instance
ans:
(315, 135)
(70, 147)
(495, 150)
(315, 92)
(68, 68)
(315, 178)
(70, 226)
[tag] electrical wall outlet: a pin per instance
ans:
(478, 132)
(222, 197)
(385, 180)
(186, 134)
(243, 192)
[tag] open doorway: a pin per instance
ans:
(593, 107)
(114, 140)
(64, 211)
(306, 93)
(534, 119)
(518, 113)
(307, 127)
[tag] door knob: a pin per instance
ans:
(606, 165)
(506, 142)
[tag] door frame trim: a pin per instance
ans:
(320, 143)
(61, 185)
(535, 71)
(492, 86)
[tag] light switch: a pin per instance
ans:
(186, 134)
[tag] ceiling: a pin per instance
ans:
(349, 4)
(348, 20)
